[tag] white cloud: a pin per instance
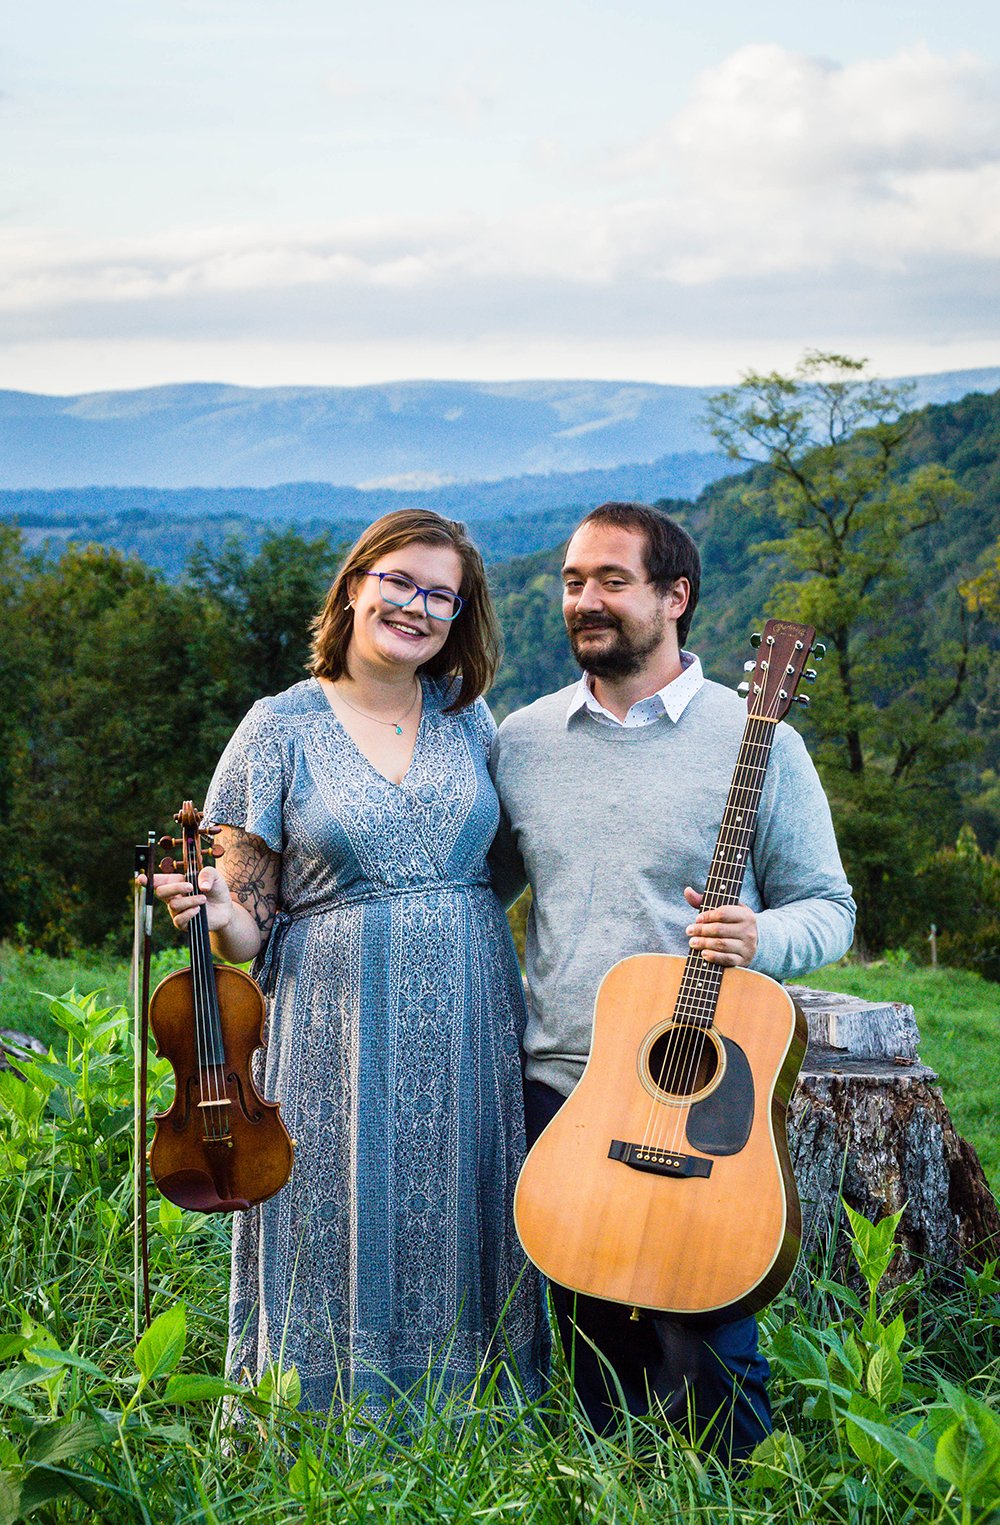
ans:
(867, 192)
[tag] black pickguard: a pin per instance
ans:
(721, 1123)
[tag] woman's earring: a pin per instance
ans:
(349, 604)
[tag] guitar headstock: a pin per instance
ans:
(783, 649)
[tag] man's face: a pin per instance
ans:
(617, 622)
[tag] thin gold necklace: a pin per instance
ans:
(397, 724)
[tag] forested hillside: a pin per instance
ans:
(119, 687)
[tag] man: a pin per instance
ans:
(613, 792)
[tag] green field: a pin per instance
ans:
(884, 1403)
(958, 1014)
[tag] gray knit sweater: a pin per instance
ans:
(609, 824)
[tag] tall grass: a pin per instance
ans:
(885, 1400)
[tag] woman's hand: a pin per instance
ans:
(183, 901)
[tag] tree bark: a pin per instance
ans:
(867, 1122)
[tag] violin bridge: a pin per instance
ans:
(222, 1101)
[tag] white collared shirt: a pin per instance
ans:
(670, 700)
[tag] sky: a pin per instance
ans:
(294, 192)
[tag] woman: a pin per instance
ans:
(357, 812)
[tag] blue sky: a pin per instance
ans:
(299, 193)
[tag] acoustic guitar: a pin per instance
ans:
(664, 1181)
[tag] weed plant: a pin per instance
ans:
(885, 1398)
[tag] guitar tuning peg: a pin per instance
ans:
(743, 689)
(801, 699)
(756, 639)
(817, 651)
(809, 676)
(750, 666)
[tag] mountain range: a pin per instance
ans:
(404, 435)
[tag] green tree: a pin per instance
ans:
(853, 521)
(259, 611)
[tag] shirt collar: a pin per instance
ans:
(672, 699)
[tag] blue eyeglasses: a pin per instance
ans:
(400, 591)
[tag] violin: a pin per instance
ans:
(220, 1147)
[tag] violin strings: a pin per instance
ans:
(203, 981)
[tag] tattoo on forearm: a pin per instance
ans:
(253, 873)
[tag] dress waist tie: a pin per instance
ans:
(264, 965)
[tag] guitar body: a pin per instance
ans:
(698, 1213)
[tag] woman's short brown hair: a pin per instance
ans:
(471, 654)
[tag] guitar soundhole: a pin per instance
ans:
(681, 1063)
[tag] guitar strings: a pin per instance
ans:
(728, 866)
(701, 980)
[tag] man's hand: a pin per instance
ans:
(727, 935)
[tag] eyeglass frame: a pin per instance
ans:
(425, 593)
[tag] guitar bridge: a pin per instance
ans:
(660, 1162)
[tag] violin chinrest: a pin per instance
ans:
(196, 1191)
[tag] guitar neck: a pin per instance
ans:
(700, 984)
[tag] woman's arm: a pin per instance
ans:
(241, 897)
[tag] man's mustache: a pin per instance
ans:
(594, 622)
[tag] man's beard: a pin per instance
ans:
(620, 658)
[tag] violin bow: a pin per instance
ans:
(141, 954)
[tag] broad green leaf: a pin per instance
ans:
(198, 1388)
(53, 1357)
(884, 1378)
(306, 1471)
(800, 1358)
(170, 1219)
(162, 1346)
(968, 1454)
(873, 1245)
(842, 1294)
(11, 1345)
(10, 1500)
(43, 1484)
(915, 1458)
(845, 1362)
(891, 1337)
(285, 1386)
(778, 1458)
(866, 1449)
(62, 1439)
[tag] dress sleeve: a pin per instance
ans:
(249, 785)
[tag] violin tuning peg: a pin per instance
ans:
(166, 842)
(756, 639)
(215, 851)
(167, 866)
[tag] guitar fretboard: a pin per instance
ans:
(699, 991)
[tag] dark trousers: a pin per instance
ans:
(707, 1378)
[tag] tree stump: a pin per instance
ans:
(867, 1121)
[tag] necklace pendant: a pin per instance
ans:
(399, 730)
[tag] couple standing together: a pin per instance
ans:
(374, 822)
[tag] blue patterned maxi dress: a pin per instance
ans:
(394, 1018)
